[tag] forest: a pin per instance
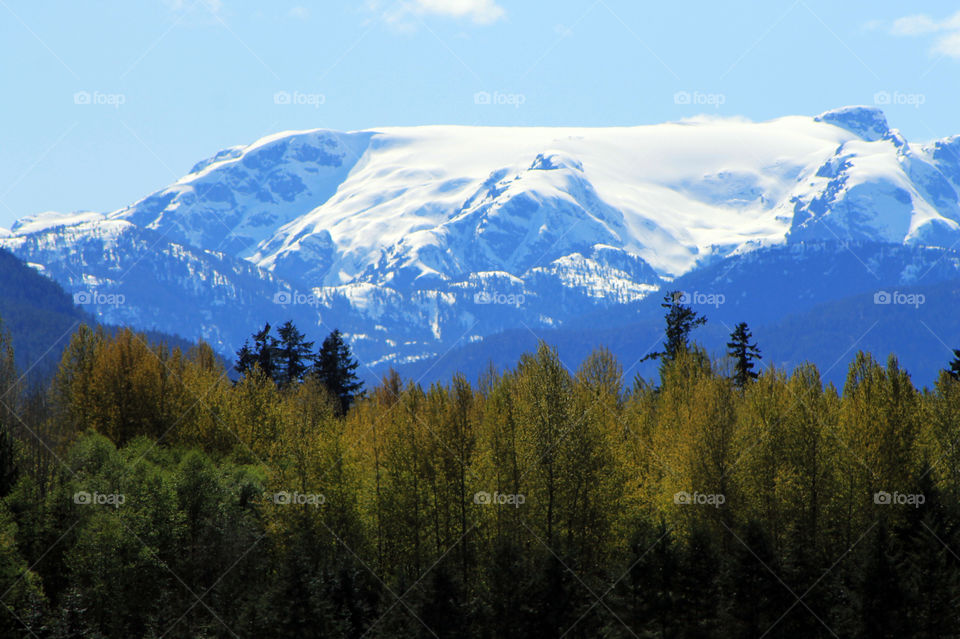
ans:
(148, 492)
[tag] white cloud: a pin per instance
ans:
(948, 45)
(403, 15)
(914, 25)
(299, 12)
(947, 32)
(479, 11)
(211, 6)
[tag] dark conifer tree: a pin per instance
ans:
(263, 353)
(954, 369)
(336, 368)
(245, 359)
(744, 354)
(294, 355)
(680, 320)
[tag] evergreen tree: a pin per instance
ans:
(954, 370)
(294, 354)
(245, 359)
(263, 353)
(680, 320)
(335, 367)
(744, 353)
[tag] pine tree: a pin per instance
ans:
(954, 370)
(294, 354)
(245, 359)
(744, 353)
(335, 367)
(263, 353)
(681, 320)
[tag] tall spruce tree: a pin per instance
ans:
(263, 353)
(954, 370)
(680, 320)
(335, 367)
(744, 354)
(294, 354)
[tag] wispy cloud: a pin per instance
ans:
(298, 12)
(210, 6)
(945, 32)
(479, 11)
(400, 14)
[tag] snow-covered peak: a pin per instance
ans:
(553, 160)
(230, 153)
(415, 236)
(868, 123)
(240, 197)
(52, 219)
(329, 208)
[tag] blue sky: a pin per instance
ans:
(105, 102)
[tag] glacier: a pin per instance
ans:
(413, 240)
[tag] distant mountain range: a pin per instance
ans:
(435, 248)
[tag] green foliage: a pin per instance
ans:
(150, 497)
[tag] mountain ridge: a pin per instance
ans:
(413, 239)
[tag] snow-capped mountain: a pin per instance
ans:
(415, 239)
